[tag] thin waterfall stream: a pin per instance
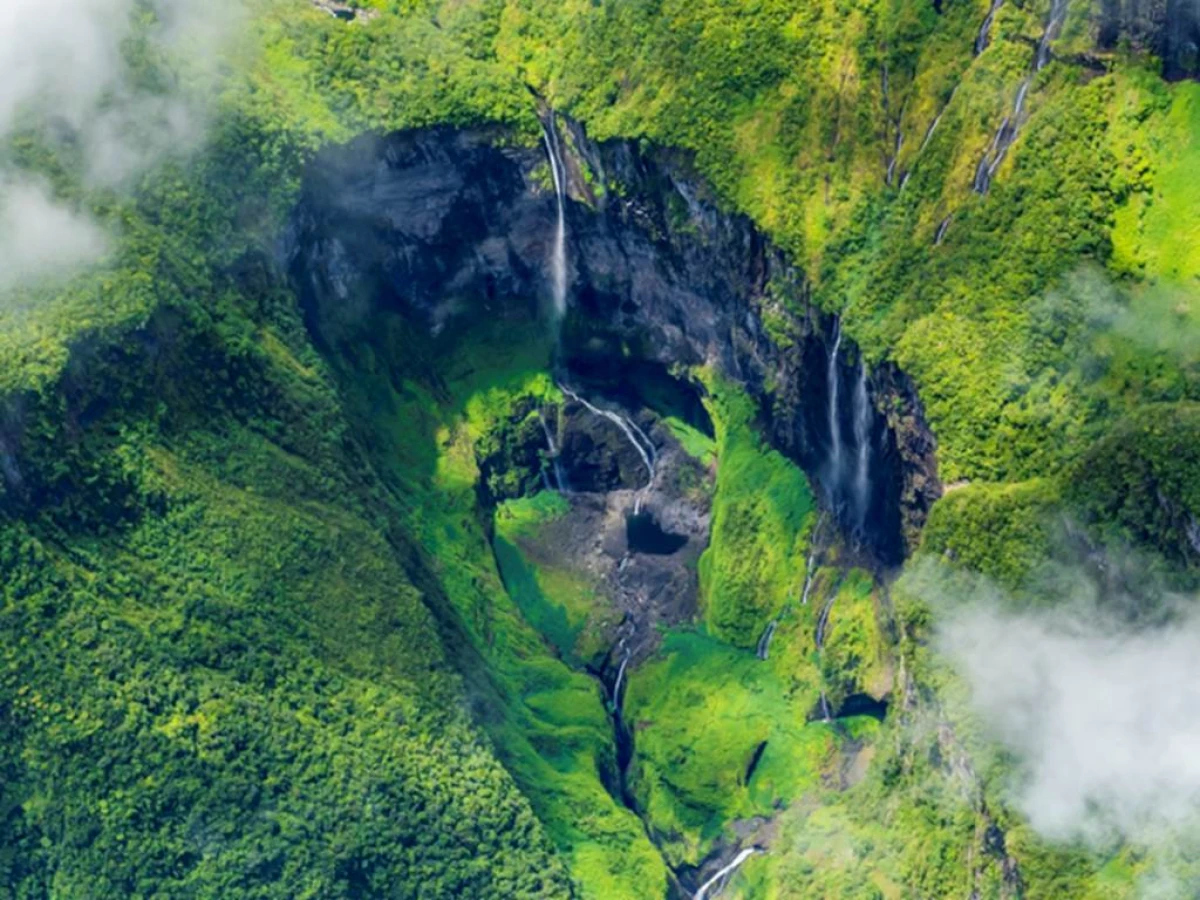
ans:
(937, 120)
(942, 228)
(637, 437)
(560, 478)
(822, 625)
(835, 428)
(985, 30)
(558, 252)
(763, 650)
(714, 884)
(1010, 126)
(862, 438)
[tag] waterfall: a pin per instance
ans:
(985, 30)
(929, 135)
(809, 570)
(942, 228)
(826, 712)
(763, 650)
(862, 439)
(931, 129)
(637, 437)
(560, 479)
(626, 652)
(558, 254)
(835, 428)
(726, 871)
(823, 620)
(891, 169)
(1058, 14)
(822, 625)
(1006, 134)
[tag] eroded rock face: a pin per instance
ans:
(439, 224)
(634, 539)
(1170, 29)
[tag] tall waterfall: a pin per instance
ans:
(835, 428)
(558, 253)
(862, 439)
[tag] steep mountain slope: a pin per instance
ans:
(294, 601)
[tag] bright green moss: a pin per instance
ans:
(755, 562)
(700, 711)
(553, 597)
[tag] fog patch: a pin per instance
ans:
(1097, 695)
(39, 236)
(116, 86)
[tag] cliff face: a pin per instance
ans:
(441, 226)
(1170, 29)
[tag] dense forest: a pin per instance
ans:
(599, 448)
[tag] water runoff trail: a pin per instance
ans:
(634, 434)
(1010, 127)
(763, 651)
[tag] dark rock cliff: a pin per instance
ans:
(444, 225)
(1170, 29)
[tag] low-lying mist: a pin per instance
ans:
(1090, 677)
(115, 86)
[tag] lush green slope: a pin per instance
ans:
(255, 641)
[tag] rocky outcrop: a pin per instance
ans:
(441, 226)
(1170, 29)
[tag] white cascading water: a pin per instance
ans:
(626, 652)
(726, 872)
(862, 439)
(835, 428)
(937, 120)
(891, 169)
(822, 627)
(1006, 134)
(560, 479)
(558, 253)
(647, 452)
(985, 30)
(763, 650)
(942, 228)
(1058, 14)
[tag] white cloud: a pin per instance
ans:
(40, 237)
(1104, 715)
(61, 62)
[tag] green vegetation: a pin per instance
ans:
(755, 563)
(260, 635)
(706, 716)
(552, 596)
